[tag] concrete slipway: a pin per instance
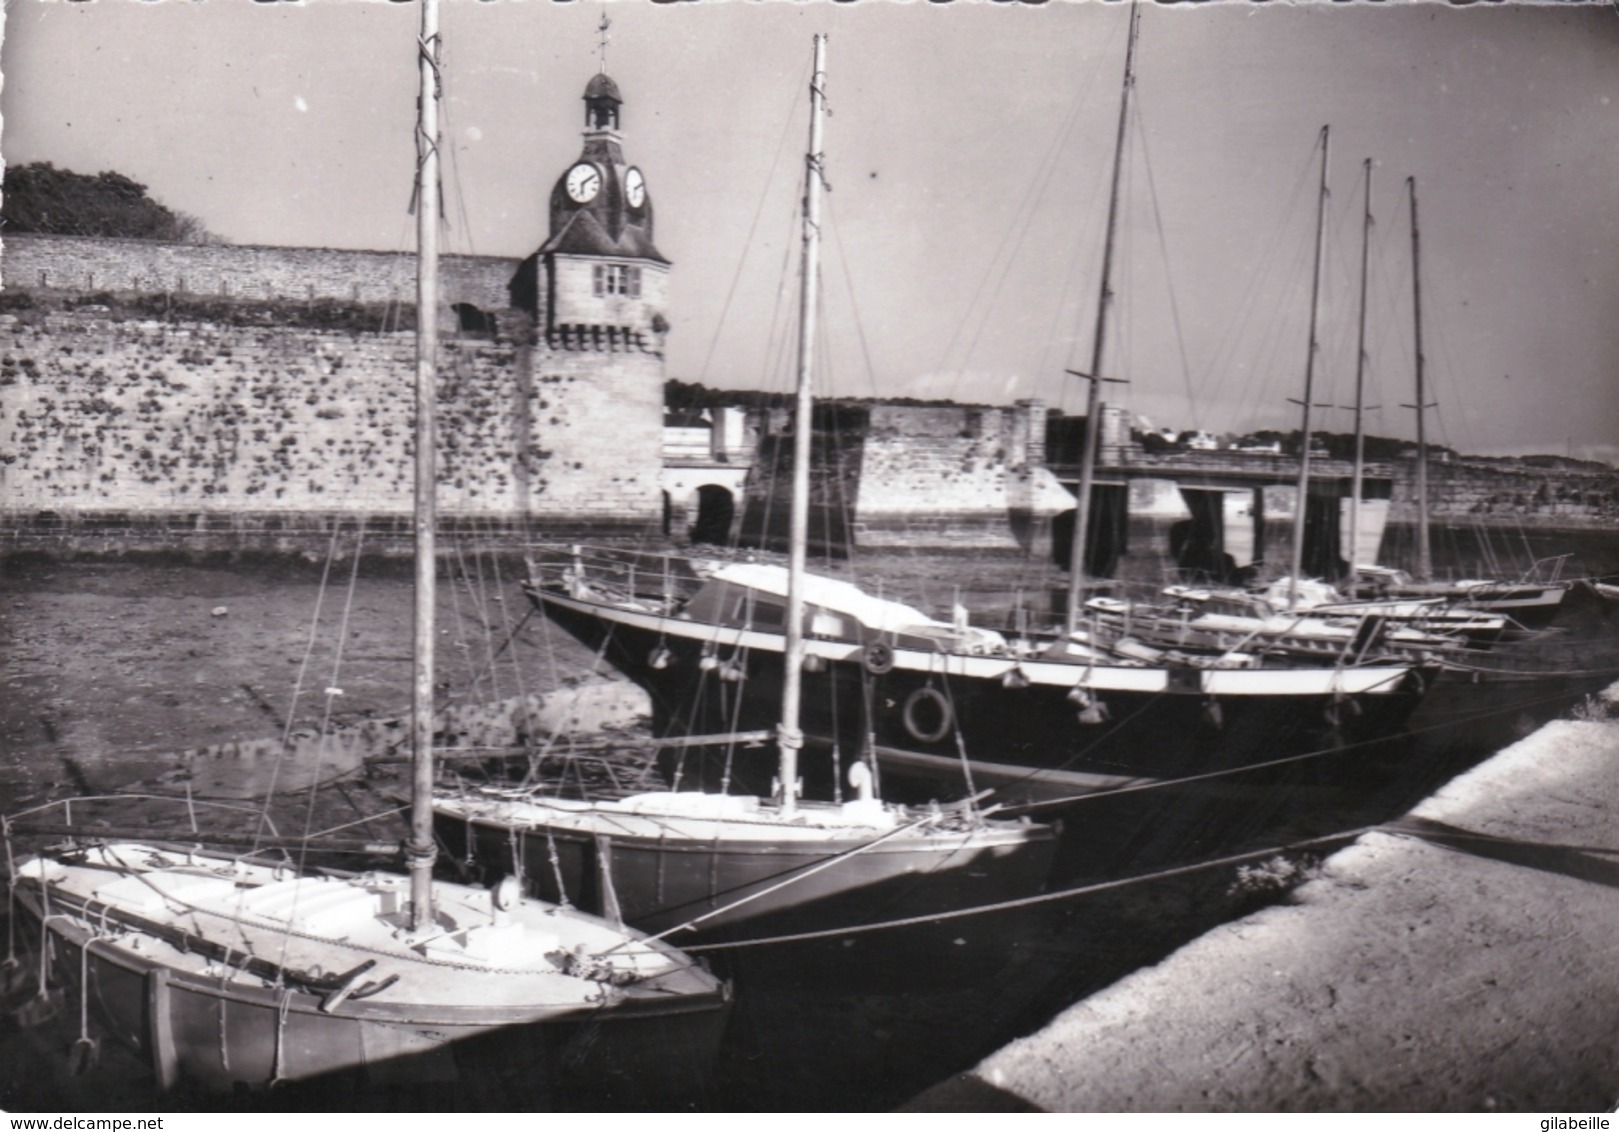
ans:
(1463, 959)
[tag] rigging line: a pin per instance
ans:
(1340, 338)
(477, 620)
(333, 690)
(297, 685)
(808, 871)
(526, 709)
(753, 224)
(1161, 783)
(832, 502)
(1018, 222)
(854, 304)
(1250, 300)
(1022, 223)
(549, 650)
(1276, 367)
(1068, 314)
(324, 735)
(365, 820)
(477, 674)
(776, 352)
(447, 130)
(837, 507)
(736, 719)
(486, 601)
(1122, 303)
(463, 642)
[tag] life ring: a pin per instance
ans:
(877, 658)
(940, 706)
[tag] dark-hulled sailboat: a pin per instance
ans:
(950, 707)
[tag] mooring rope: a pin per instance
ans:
(1038, 899)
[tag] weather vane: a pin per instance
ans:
(601, 29)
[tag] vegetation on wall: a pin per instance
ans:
(126, 306)
(42, 198)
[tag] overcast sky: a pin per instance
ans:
(968, 155)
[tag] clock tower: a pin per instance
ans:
(598, 281)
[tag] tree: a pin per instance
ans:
(41, 198)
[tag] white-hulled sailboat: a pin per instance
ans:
(240, 971)
(740, 866)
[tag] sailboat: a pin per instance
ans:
(1292, 609)
(1531, 601)
(745, 867)
(945, 706)
(1491, 700)
(1506, 681)
(232, 971)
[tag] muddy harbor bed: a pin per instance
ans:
(110, 668)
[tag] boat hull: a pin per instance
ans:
(748, 887)
(1035, 730)
(204, 1033)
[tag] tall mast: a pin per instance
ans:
(420, 849)
(789, 738)
(1078, 548)
(1302, 507)
(1424, 551)
(1360, 382)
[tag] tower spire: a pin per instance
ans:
(602, 41)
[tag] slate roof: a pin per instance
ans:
(584, 233)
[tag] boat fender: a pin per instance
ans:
(84, 1056)
(1337, 711)
(1095, 714)
(13, 977)
(506, 895)
(860, 781)
(877, 658)
(915, 716)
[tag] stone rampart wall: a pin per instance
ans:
(102, 415)
(88, 264)
(953, 477)
(1476, 489)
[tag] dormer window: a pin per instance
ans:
(617, 279)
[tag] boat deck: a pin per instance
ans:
(710, 819)
(327, 925)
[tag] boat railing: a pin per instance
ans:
(171, 820)
(1553, 567)
(613, 573)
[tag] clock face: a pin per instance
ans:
(635, 188)
(584, 182)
